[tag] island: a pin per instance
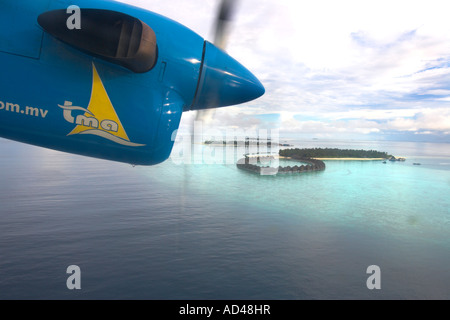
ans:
(312, 159)
(334, 154)
(246, 142)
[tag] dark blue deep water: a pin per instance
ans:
(176, 231)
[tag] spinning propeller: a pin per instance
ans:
(226, 12)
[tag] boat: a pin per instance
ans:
(396, 159)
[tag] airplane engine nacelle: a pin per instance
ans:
(116, 87)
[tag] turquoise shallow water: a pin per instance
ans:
(177, 231)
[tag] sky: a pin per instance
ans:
(363, 70)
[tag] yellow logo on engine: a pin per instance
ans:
(100, 117)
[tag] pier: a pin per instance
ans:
(254, 164)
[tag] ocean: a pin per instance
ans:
(191, 231)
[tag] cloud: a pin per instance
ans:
(351, 67)
(373, 121)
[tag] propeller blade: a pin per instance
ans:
(227, 9)
(225, 16)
